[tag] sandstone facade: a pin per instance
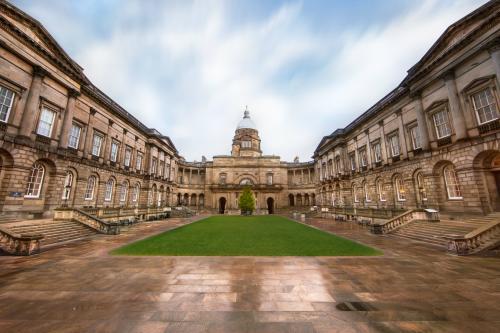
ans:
(434, 141)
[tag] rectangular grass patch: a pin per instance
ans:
(246, 236)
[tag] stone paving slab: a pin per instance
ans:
(79, 287)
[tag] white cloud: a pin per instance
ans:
(188, 70)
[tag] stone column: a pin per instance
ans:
(402, 137)
(68, 118)
(368, 148)
(383, 148)
(30, 109)
(455, 109)
(422, 123)
(495, 57)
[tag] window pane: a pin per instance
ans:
(45, 123)
(6, 100)
(74, 136)
(96, 145)
(485, 106)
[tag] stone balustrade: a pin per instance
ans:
(105, 227)
(385, 227)
(120, 214)
(19, 244)
(476, 240)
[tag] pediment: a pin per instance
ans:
(459, 33)
(34, 35)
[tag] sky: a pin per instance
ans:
(189, 68)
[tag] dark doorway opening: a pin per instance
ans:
(270, 205)
(291, 200)
(222, 205)
(497, 182)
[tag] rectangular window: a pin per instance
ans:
(74, 136)
(270, 179)
(415, 137)
(97, 144)
(6, 100)
(113, 156)
(377, 152)
(138, 162)
(246, 144)
(337, 164)
(394, 143)
(352, 159)
(442, 124)
(161, 169)
(222, 178)
(167, 171)
(363, 159)
(484, 105)
(128, 156)
(46, 122)
(153, 166)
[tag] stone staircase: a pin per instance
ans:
(432, 232)
(54, 232)
(8, 219)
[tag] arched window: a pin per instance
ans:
(367, 192)
(421, 187)
(108, 194)
(246, 181)
(68, 183)
(380, 190)
(201, 200)
(135, 194)
(89, 190)
(35, 181)
(159, 198)
(451, 182)
(124, 191)
(400, 188)
(355, 193)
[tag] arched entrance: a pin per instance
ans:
(270, 205)
(487, 167)
(222, 205)
(291, 200)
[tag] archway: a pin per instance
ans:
(487, 168)
(270, 205)
(222, 205)
(291, 200)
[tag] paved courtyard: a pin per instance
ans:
(411, 288)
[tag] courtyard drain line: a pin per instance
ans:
(355, 306)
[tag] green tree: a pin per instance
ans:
(246, 201)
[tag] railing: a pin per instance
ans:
(476, 240)
(397, 222)
(379, 213)
(19, 244)
(127, 213)
(109, 228)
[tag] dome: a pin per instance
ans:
(246, 122)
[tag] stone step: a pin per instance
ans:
(436, 242)
(47, 226)
(55, 232)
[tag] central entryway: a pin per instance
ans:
(222, 205)
(270, 205)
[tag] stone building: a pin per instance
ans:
(431, 142)
(434, 141)
(63, 142)
(217, 184)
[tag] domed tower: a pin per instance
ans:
(246, 141)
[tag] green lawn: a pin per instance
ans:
(246, 236)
